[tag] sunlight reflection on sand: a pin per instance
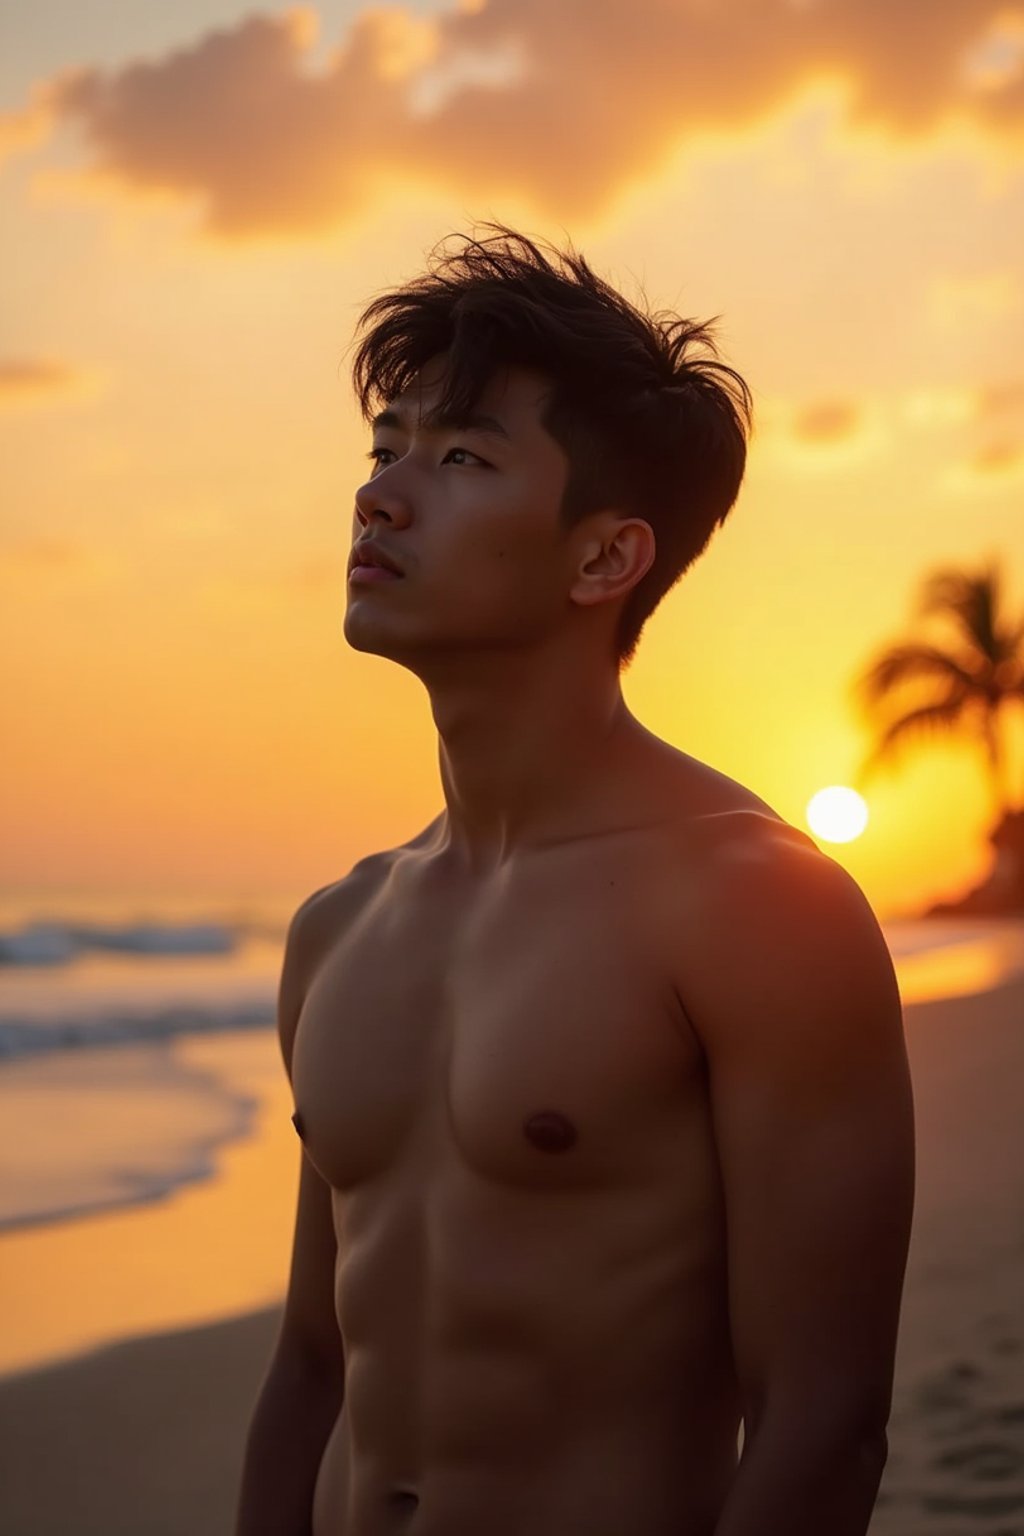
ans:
(968, 959)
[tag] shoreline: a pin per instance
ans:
(203, 1252)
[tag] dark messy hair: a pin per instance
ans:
(649, 429)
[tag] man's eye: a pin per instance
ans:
(374, 452)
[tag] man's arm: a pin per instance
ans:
(796, 1005)
(303, 1389)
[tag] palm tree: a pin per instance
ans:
(969, 685)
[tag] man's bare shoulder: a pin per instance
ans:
(736, 854)
(750, 893)
(772, 921)
(716, 818)
(331, 903)
(731, 840)
(328, 909)
(750, 841)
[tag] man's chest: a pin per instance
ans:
(532, 1034)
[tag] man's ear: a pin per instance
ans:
(612, 559)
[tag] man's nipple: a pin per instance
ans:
(550, 1131)
(297, 1122)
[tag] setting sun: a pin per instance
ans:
(837, 814)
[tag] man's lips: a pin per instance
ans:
(360, 574)
(369, 556)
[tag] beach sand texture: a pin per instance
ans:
(145, 1437)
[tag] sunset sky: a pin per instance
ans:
(197, 201)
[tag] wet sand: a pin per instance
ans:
(145, 1437)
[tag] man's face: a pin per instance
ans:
(470, 516)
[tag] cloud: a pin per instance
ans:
(993, 456)
(32, 123)
(998, 458)
(566, 104)
(998, 417)
(995, 61)
(820, 437)
(977, 432)
(45, 553)
(938, 408)
(1001, 402)
(827, 421)
(995, 469)
(32, 379)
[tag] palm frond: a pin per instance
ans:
(1013, 641)
(908, 663)
(970, 682)
(927, 720)
(970, 599)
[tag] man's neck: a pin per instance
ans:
(527, 756)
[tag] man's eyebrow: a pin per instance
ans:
(471, 421)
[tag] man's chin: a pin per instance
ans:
(371, 638)
(361, 639)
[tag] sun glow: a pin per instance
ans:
(837, 814)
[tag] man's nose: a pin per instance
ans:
(379, 499)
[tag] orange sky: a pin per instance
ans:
(197, 203)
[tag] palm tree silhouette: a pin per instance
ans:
(969, 685)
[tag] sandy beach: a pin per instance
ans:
(145, 1437)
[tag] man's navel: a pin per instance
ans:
(550, 1131)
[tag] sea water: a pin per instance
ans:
(96, 1004)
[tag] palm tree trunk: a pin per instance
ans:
(997, 775)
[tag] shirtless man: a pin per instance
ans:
(607, 1126)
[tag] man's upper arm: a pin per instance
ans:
(796, 1004)
(309, 1327)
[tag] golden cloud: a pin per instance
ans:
(816, 438)
(827, 421)
(998, 402)
(34, 378)
(565, 103)
(45, 553)
(997, 458)
(932, 407)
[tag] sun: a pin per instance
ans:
(837, 814)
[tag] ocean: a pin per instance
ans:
(97, 1004)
